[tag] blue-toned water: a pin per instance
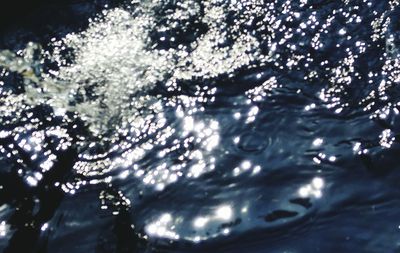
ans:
(200, 126)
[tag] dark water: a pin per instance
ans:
(200, 126)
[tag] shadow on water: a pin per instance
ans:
(23, 21)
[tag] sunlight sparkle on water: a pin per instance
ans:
(3, 229)
(224, 212)
(163, 227)
(200, 222)
(314, 189)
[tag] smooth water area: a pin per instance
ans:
(202, 126)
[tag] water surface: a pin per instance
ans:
(202, 126)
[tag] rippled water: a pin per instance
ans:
(203, 126)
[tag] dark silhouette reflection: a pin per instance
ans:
(120, 236)
(34, 207)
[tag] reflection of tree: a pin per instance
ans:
(46, 197)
